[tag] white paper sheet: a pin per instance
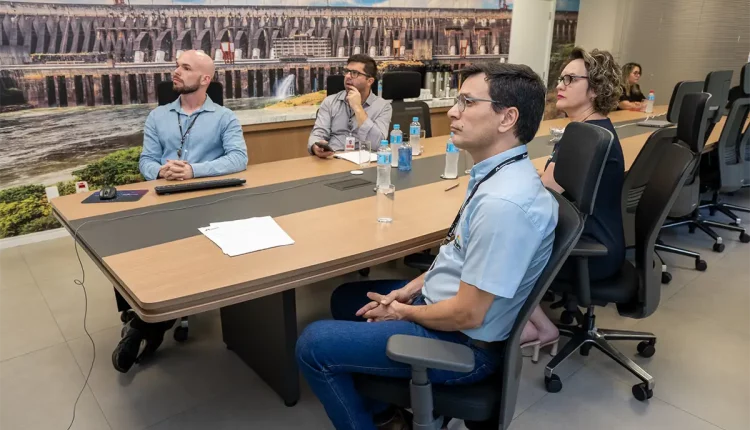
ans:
(246, 235)
(355, 156)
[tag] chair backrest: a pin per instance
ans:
(675, 103)
(403, 112)
(743, 150)
(718, 84)
(638, 176)
(581, 155)
(334, 84)
(673, 168)
(730, 153)
(165, 94)
(398, 86)
(568, 231)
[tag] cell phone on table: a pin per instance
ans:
(324, 146)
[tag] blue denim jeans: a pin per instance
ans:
(329, 352)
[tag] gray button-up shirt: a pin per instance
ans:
(336, 119)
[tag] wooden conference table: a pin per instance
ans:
(165, 268)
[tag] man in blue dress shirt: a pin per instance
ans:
(481, 277)
(192, 137)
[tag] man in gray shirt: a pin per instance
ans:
(356, 111)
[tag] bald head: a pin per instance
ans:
(193, 73)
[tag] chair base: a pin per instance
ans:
(587, 335)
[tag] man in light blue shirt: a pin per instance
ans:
(495, 252)
(192, 137)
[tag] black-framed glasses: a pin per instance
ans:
(461, 101)
(569, 79)
(355, 73)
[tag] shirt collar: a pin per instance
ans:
(481, 169)
(208, 106)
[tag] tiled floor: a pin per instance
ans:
(702, 364)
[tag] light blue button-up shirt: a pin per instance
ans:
(503, 241)
(214, 147)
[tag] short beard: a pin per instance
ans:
(185, 89)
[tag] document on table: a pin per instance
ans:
(246, 235)
(356, 156)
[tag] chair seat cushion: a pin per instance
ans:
(621, 288)
(474, 402)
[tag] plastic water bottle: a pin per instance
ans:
(650, 102)
(404, 157)
(415, 133)
(451, 160)
(384, 165)
(397, 136)
(380, 88)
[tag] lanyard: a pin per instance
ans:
(183, 137)
(452, 231)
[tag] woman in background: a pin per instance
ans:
(589, 89)
(632, 96)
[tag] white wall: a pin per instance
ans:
(598, 24)
(531, 34)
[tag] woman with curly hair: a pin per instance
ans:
(589, 89)
(632, 97)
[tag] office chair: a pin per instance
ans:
(493, 399)
(165, 94)
(722, 170)
(635, 183)
(693, 132)
(636, 288)
(334, 84)
(398, 86)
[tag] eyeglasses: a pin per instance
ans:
(569, 79)
(461, 101)
(355, 73)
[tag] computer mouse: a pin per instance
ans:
(107, 193)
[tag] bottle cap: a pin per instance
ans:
(383, 142)
(415, 119)
(396, 126)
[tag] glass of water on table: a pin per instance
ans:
(384, 201)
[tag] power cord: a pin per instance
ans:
(82, 281)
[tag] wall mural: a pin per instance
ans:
(78, 77)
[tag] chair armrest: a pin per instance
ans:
(589, 247)
(427, 353)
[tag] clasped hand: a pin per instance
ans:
(385, 308)
(176, 170)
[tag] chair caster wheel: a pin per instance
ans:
(552, 384)
(290, 404)
(701, 265)
(566, 317)
(734, 224)
(126, 316)
(666, 277)
(585, 349)
(712, 211)
(646, 349)
(691, 229)
(744, 237)
(718, 247)
(180, 334)
(641, 392)
(364, 272)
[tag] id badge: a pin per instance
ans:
(349, 143)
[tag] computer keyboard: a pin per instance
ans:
(196, 186)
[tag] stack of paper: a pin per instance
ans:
(246, 235)
(357, 157)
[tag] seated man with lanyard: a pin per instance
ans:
(355, 112)
(191, 137)
(497, 247)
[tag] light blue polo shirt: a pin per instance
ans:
(214, 147)
(503, 241)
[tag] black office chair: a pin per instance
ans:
(165, 94)
(693, 134)
(493, 399)
(398, 86)
(636, 288)
(334, 84)
(635, 182)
